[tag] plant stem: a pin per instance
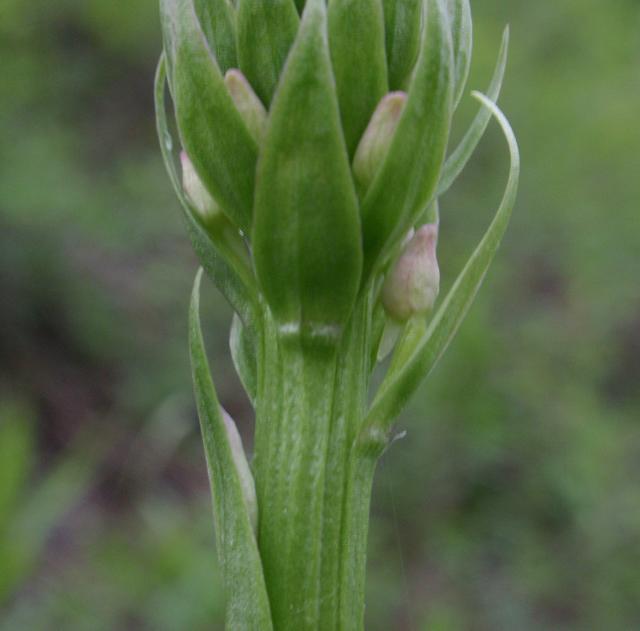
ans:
(313, 481)
(291, 477)
(348, 410)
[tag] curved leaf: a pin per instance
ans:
(458, 159)
(237, 287)
(247, 601)
(409, 175)
(306, 237)
(401, 383)
(266, 31)
(403, 22)
(356, 40)
(211, 128)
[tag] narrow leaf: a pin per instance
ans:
(211, 128)
(400, 384)
(237, 288)
(247, 601)
(408, 178)
(217, 18)
(306, 236)
(462, 33)
(458, 159)
(403, 23)
(356, 39)
(243, 345)
(266, 31)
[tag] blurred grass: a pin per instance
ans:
(514, 502)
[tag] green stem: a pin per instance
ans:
(348, 411)
(353, 545)
(313, 480)
(294, 415)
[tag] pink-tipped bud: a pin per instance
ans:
(247, 102)
(198, 195)
(377, 138)
(412, 285)
(242, 467)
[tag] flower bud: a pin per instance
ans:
(249, 105)
(377, 139)
(198, 195)
(242, 467)
(412, 285)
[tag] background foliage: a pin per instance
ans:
(514, 502)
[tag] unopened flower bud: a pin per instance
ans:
(242, 467)
(249, 105)
(412, 285)
(377, 139)
(198, 195)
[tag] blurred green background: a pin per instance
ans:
(514, 501)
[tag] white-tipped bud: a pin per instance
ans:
(412, 285)
(377, 138)
(243, 469)
(249, 105)
(198, 195)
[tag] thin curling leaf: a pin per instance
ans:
(409, 175)
(211, 128)
(306, 237)
(234, 281)
(247, 601)
(356, 39)
(217, 19)
(243, 343)
(462, 33)
(458, 159)
(403, 23)
(401, 383)
(266, 32)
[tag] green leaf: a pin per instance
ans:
(235, 282)
(401, 383)
(217, 19)
(211, 128)
(458, 159)
(356, 40)
(247, 601)
(462, 33)
(242, 342)
(409, 175)
(306, 236)
(403, 22)
(266, 32)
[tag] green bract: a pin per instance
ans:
(313, 142)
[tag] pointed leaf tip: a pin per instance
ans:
(306, 235)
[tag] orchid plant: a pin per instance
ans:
(312, 154)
